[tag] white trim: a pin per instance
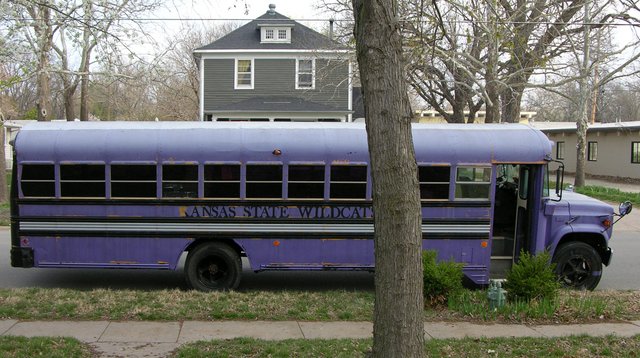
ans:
(101, 226)
(273, 51)
(235, 73)
(313, 73)
(201, 94)
(275, 24)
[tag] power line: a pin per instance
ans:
(189, 19)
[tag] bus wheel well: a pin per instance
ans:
(232, 244)
(596, 241)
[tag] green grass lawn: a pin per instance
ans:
(580, 346)
(609, 194)
(176, 305)
(42, 347)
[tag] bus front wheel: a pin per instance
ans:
(578, 266)
(213, 266)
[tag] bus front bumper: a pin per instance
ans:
(606, 256)
(21, 257)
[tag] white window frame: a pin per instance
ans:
(235, 74)
(276, 35)
(313, 73)
(269, 34)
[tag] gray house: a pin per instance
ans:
(275, 69)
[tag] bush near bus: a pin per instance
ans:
(532, 278)
(441, 279)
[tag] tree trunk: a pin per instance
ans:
(492, 107)
(398, 329)
(69, 103)
(86, 61)
(583, 103)
(492, 103)
(45, 39)
(84, 95)
(511, 100)
(581, 152)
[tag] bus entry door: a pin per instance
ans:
(523, 212)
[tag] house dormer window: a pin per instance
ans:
(269, 35)
(275, 34)
(305, 74)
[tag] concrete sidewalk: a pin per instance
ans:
(159, 339)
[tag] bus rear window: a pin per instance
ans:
(434, 182)
(222, 181)
(82, 181)
(38, 180)
(264, 181)
(133, 181)
(348, 182)
(180, 181)
(306, 181)
(473, 182)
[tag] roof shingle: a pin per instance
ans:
(247, 37)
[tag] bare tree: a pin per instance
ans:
(74, 30)
(176, 73)
(398, 324)
(466, 53)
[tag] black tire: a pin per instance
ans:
(578, 266)
(213, 266)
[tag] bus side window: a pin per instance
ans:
(473, 182)
(348, 182)
(133, 181)
(82, 181)
(434, 182)
(38, 181)
(264, 181)
(306, 181)
(222, 181)
(180, 181)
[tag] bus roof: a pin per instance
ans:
(106, 142)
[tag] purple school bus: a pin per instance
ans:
(287, 196)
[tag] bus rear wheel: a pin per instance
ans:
(213, 266)
(578, 266)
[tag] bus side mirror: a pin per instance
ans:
(559, 179)
(625, 208)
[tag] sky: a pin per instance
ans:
(235, 9)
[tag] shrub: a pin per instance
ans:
(531, 278)
(441, 279)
